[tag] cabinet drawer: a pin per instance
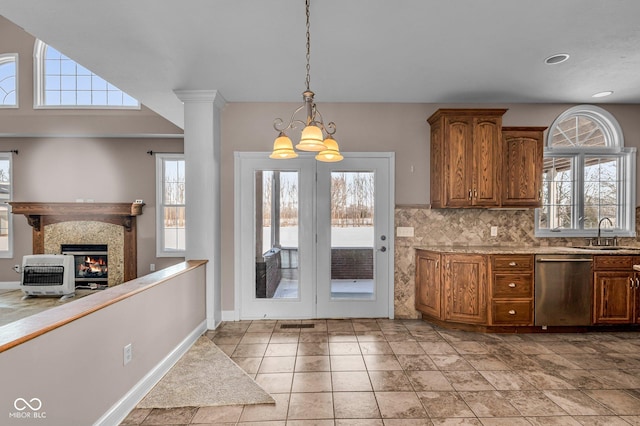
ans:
(615, 262)
(511, 286)
(519, 312)
(510, 262)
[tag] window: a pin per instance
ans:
(9, 80)
(588, 175)
(170, 201)
(63, 83)
(6, 228)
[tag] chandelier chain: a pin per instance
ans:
(308, 79)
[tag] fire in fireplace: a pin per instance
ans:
(91, 263)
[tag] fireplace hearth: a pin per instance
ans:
(91, 263)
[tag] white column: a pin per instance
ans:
(202, 110)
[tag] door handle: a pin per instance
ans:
(383, 249)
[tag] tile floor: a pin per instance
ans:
(408, 372)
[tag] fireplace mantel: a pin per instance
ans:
(123, 214)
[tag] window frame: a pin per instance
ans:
(39, 88)
(161, 250)
(7, 254)
(6, 58)
(626, 174)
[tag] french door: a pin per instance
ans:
(314, 240)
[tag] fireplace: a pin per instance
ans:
(91, 264)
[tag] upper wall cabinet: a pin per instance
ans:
(522, 171)
(466, 151)
(475, 162)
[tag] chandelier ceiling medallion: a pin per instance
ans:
(316, 136)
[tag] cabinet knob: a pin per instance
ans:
(512, 312)
(470, 195)
(512, 263)
(631, 283)
(512, 285)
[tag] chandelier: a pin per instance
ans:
(316, 136)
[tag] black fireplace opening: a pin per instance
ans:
(91, 264)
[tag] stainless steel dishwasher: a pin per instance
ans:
(563, 289)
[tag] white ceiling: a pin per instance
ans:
(428, 51)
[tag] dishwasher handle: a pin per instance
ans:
(545, 259)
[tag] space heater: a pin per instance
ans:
(48, 275)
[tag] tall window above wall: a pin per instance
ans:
(170, 205)
(588, 177)
(63, 83)
(6, 223)
(9, 80)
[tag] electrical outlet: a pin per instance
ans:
(404, 231)
(127, 353)
(152, 267)
(494, 231)
(17, 268)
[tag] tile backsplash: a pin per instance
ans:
(442, 227)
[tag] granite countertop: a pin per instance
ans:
(618, 250)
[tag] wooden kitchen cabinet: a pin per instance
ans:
(512, 289)
(428, 295)
(616, 290)
(522, 171)
(465, 288)
(466, 148)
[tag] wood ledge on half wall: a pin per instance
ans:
(35, 210)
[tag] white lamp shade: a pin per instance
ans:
(311, 139)
(283, 148)
(332, 152)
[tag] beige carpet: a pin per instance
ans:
(205, 376)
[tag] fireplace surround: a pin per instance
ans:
(113, 224)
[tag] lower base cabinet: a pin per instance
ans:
(616, 290)
(465, 288)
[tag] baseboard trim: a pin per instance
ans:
(119, 411)
(9, 285)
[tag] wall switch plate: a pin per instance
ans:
(494, 231)
(404, 231)
(127, 353)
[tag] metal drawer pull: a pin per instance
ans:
(512, 312)
(512, 285)
(512, 263)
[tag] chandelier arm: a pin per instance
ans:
(278, 122)
(329, 129)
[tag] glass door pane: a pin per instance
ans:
(352, 235)
(276, 219)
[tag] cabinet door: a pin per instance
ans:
(487, 152)
(428, 283)
(614, 297)
(636, 298)
(465, 287)
(458, 161)
(522, 170)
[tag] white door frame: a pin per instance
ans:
(240, 276)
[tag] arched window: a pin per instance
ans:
(9, 80)
(588, 177)
(63, 83)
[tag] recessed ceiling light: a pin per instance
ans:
(602, 94)
(558, 58)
